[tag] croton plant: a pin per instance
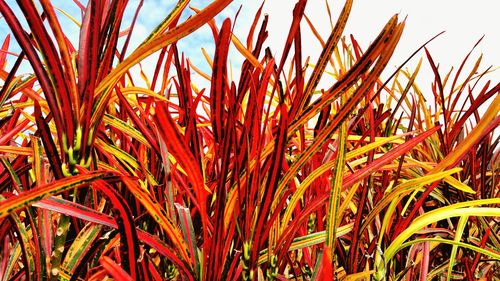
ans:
(274, 173)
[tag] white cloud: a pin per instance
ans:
(464, 22)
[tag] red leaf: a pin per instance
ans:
(325, 270)
(114, 269)
(3, 52)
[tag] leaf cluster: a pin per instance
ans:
(272, 175)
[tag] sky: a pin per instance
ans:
(464, 23)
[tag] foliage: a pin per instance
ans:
(268, 176)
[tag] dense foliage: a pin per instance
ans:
(268, 176)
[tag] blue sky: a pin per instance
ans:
(151, 14)
(464, 22)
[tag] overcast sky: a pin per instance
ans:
(464, 22)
